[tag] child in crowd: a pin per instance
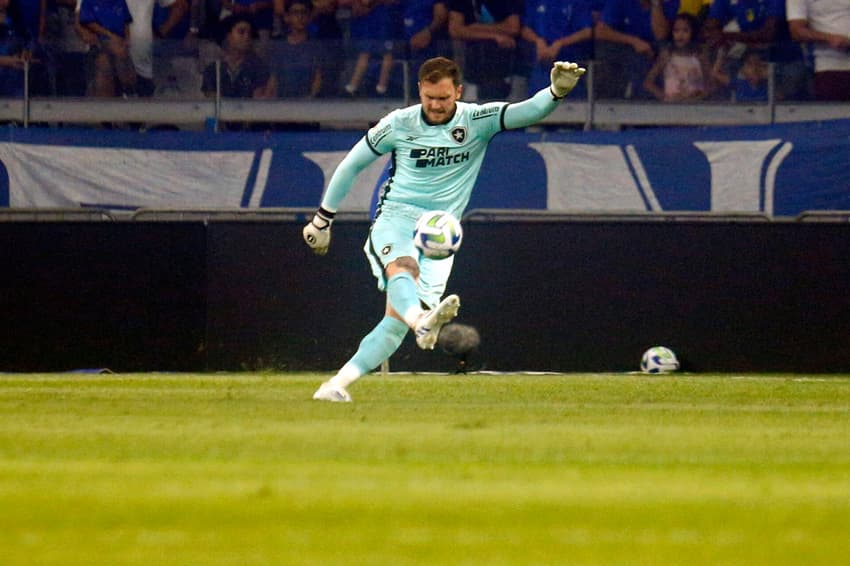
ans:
(683, 67)
(749, 83)
(371, 32)
(296, 60)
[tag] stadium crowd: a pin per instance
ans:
(669, 50)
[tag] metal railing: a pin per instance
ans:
(194, 110)
(479, 215)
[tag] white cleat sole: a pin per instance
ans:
(428, 329)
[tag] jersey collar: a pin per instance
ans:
(425, 118)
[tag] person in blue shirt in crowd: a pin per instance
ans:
(426, 33)
(556, 30)
(31, 17)
(295, 58)
(371, 28)
(760, 24)
(13, 55)
(748, 81)
(630, 32)
(110, 21)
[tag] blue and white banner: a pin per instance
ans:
(778, 170)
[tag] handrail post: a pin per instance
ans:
(26, 108)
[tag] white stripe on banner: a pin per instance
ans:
(770, 176)
(51, 175)
(261, 179)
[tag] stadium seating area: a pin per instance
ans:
(348, 80)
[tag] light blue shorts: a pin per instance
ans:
(390, 238)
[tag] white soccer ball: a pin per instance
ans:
(438, 234)
(659, 359)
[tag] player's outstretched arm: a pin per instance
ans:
(317, 232)
(564, 76)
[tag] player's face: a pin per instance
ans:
(438, 100)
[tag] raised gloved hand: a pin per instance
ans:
(564, 76)
(317, 233)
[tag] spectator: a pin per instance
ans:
(110, 21)
(557, 30)
(243, 74)
(371, 35)
(296, 59)
(630, 32)
(683, 66)
(13, 55)
(488, 31)
(142, 34)
(203, 35)
(71, 45)
(426, 33)
(759, 24)
(749, 82)
(327, 31)
(825, 24)
(260, 12)
(175, 54)
(204, 18)
(32, 20)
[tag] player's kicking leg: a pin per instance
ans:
(427, 328)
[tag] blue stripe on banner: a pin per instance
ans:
(251, 180)
(4, 186)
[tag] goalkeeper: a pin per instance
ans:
(438, 147)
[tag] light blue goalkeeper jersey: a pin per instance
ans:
(433, 167)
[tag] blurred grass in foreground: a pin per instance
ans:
(422, 469)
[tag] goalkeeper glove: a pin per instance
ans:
(564, 76)
(317, 233)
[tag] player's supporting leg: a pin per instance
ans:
(375, 347)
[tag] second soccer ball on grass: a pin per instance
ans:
(438, 234)
(659, 359)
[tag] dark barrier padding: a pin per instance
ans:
(725, 297)
(102, 295)
(579, 296)
(273, 303)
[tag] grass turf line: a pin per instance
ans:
(507, 469)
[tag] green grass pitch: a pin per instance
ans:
(208, 469)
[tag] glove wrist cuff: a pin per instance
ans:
(555, 94)
(323, 218)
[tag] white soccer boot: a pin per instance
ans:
(430, 322)
(328, 392)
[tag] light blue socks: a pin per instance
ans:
(375, 347)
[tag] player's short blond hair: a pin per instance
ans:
(438, 68)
